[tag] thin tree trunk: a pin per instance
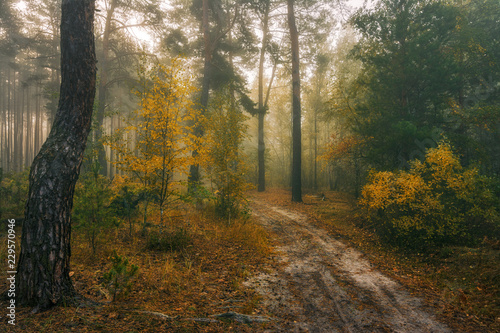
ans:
(3, 125)
(9, 120)
(15, 123)
(37, 122)
(317, 107)
(43, 268)
(194, 170)
(20, 130)
(315, 181)
(262, 111)
(27, 159)
(296, 111)
(103, 89)
(112, 153)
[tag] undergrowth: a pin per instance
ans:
(437, 202)
(197, 272)
(175, 240)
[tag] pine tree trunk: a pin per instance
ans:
(194, 170)
(262, 112)
(20, 152)
(15, 123)
(27, 156)
(37, 122)
(296, 111)
(103, 88)
(9, 121)
(43, 268)
(3, 124)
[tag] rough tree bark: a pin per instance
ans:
(43, 268)
(296, 111)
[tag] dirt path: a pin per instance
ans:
(323, 285)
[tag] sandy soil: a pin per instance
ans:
(322, 285)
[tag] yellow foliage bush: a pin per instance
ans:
(437, 201)
(155, 148)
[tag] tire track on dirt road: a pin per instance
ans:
(323, 285)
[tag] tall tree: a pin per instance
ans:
(225, 33)
(279, 138)
(317, 105)
(473, 126)
(194, 169)
(265, 8)
(29, 60)
(162, 136)
(116, 52)
(9, 48)
(296, 110)
(43, 269)
(409, 72)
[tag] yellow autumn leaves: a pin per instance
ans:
(436, 201)
(156, 146)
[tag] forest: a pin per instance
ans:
(250, 165)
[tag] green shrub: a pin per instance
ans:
(91, 212)
(120, 277)
(437, 202)
(222, 154)
(125, 201)
(13, 193)
(169, 241)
